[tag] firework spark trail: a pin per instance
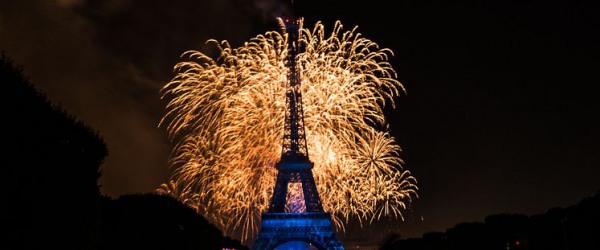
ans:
(228, 114)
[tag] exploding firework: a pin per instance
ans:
(227, 115)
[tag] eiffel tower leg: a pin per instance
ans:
(311, 194)
(280, 192)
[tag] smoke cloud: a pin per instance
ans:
(105, 62)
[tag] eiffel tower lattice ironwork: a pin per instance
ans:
(295, 218)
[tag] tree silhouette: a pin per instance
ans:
(572, 228)
(51, 169)
(158, 222)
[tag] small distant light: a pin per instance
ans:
(518, 243)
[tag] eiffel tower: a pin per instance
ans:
(295, 219)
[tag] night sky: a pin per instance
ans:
(501, 113)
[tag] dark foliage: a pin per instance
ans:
(572, 228)
(50, 172)
(157, 222)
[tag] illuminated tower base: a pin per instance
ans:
(297, 231)
(298, 223)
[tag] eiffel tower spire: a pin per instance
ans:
(295, 218)
(294, 137)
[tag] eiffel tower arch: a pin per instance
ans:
(295, 218)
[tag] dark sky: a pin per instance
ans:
(501, 113)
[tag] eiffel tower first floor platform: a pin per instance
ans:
(310, 230)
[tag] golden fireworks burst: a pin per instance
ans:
(227, 114)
